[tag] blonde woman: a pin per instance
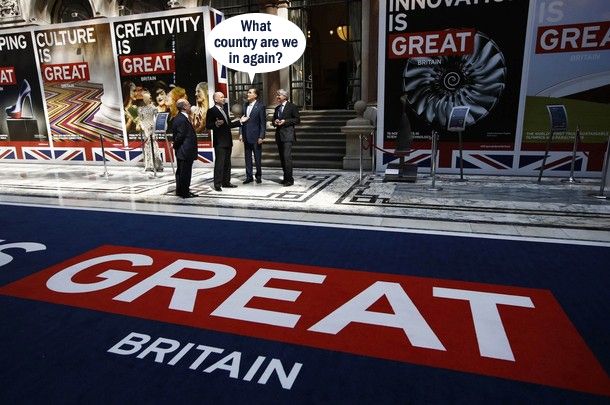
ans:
(201, 109)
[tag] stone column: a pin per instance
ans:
(352, 130)
(365, 44)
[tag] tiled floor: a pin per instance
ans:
(483, 205)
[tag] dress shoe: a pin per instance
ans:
(229, 185)
(217, 188)
(248, 181)
(258, 180)
(192, 195)
(288, 183)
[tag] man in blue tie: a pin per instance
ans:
(286, 116)
(252, 133)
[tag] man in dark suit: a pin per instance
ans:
(252, 133)
(185, 145)
(217, 119)
(286, 116)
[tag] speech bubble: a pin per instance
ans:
(256, 43)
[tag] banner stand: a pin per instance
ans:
(105, 174)
(161, 129)
(433, 162)
(457, 123)
(601, 195)
(152, 151)
(559, 123)
(571, 179)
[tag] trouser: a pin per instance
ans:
(249, 150)
(222, 165)
(184, 171)
(285, 150)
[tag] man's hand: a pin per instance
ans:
(243, 119)
(219, 122)
(259, 141)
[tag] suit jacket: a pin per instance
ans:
(286, 132)
(185, 139)
(254, 128)
(221, 135)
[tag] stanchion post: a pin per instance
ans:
(360, 162)
(571, 179)
(546, 154)
(602, 186)
(433, 162)
(373, 152)
(152, 151)
(105, 174)
(461, 156)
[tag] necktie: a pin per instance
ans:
(282, 111)
(223, 114)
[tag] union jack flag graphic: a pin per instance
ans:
(112, 154)
(37, 153)
(220, 71)
(205, 156)
(135, 155)
(476, 159)
(7, 153)
(73, 154)
(419, 157)
(556, 161)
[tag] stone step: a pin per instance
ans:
(305, 164)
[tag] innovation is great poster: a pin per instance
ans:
(440, 55)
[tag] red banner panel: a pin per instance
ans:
(65, 72)
(573, 37)
(7, 75)
(431, 43)
(148, 64)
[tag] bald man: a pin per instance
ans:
(185, 145)
(217, 119)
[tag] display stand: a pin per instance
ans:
(601, 195)
(105, 174)
(571, 179)
(152, 151)
(161, 129)
(457, 123)
(559, 123)
(433, 162)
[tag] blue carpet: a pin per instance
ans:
(59, 353)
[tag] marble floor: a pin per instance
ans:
(490, 206)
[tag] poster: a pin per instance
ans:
(441, 55)
(569, 65)
(162, 59)
(22, 115)
(77, 69)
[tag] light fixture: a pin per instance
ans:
(343, 32)
(331, 32)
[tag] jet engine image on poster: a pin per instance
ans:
(161, 60)
(449, 54)
(21, 107)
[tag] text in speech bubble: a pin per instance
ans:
(256, 43)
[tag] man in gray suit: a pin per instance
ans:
(285, 117)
